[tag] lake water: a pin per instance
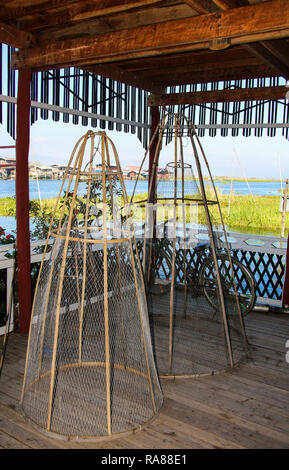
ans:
(50, 188)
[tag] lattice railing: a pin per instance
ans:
(264, 256)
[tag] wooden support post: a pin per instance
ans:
(22, 199)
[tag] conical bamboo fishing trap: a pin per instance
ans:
(197, 293)
(90, 369)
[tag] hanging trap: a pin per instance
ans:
(90, 369)
(197, 293)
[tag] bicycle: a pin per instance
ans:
(201, 278)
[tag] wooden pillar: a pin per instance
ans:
(155, 117)
(22, 199)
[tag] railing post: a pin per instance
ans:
(22, 199)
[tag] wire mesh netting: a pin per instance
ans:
(197, 292)
(90, 368)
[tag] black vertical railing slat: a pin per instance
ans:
(213, 112)
(111, 104)
(44, 93)
(236, 110)
(102, 101)
(225, 112)
(55, 93)
(203, 112)
(118, 105)
(133, 108)
(126, 107)
(66, 92)
(76, 89)
(11, 90)
(34, 96)
(145, 134)
(85, 96)
(139, 114)
(94, 97)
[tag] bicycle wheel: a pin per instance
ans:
(245, 284)
(160, 270)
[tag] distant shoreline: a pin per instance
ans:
(228, 179)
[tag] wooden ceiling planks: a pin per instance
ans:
(261, 21)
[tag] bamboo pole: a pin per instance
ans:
(51, 271)
(214, 253)
(105, 291)
(81, 313)
(184, 221)
(225, 235)
(123, 340)
(172, 296)
(62, 269)
(132, 237)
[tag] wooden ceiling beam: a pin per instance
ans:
(266, 56)
(216, 75)
(116, 22)
(13, 11)
(196, 58)
(82, 11)
(200, 6)
(15, 37)
(279, 48)
(219, 96)
(264, 52)
(200, 67)
(256, 22)
(226, 4)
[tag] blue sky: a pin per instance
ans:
(52, 142)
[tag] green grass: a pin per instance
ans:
(249, 214)
(252, 215)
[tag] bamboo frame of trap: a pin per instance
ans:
(173, 125)
(148, 374)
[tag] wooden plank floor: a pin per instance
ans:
(246, 408)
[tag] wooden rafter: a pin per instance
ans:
(247, 24)
(263, 51)
(81, 11)
(280, 50)
(265, 55)
(200, 6)
(217, 74)
(224, 4)
(15, 37)
(116, 22)
(219, 96)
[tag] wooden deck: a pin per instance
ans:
(245, 408)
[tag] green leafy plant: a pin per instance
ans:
(5, 239)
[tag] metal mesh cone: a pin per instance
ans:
(90, 369)
(194, 288)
